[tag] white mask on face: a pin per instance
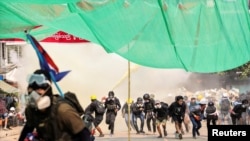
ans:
(43, 103)
(38, 101)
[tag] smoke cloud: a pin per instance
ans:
(93, 71)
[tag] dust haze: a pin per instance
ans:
(93, 71)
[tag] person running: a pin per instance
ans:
(137, 110)
(127, 113)
(237, 111)
(177, 111)
(148, 110)
(211, 113)
(224, 110)
(195, 116)
(113, 105)
(98, 108)
(161, 114)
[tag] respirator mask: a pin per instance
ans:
(38, 101)
(157, 106)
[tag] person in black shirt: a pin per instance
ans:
(137, 110)
(177, 112)
(237, 111)
(148, 110)
(161, 114)
(93, 108)
(112, 104)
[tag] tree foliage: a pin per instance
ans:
(241, 72)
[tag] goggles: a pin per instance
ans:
(37, 81)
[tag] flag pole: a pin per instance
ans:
(128, 101)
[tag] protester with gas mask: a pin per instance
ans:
(236, 113)
(148, 110)
(62, 123)
(161, 114)
(113, 105)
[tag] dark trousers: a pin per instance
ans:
(196, 126)
(150, 119)
(110, 120)
(209, 121)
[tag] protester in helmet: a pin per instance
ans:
(137, 110)
(237, 111)
(161, 114)
(177, 112)
(127, 113)
(148, 110)
(112, 104)
(98, 108)
(211, 113)
(64, 125)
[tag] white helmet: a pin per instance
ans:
(224, 95)
(12, 109)
(203, 101)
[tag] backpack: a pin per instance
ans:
(100, 108)
(71, 99)
(210, 109)
(225, 105)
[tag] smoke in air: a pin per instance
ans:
(93, 71)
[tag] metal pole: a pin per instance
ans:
(128, 101)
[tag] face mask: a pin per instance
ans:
(243, 106)
(139, 105)
(38, 101)
(157, 106)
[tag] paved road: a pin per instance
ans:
(121, 134)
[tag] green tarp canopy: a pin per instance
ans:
(196, 35)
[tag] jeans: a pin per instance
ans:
(196, 126)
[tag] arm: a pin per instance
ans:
(28, 127)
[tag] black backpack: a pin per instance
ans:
(210, 109)
(100, 108)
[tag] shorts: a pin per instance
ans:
(3, 116)
(159, 122)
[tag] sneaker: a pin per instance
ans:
(142, 132)
(101, 135)
(180, 136)
(5, 129)
(160, 136)
(198, 133)
(165, 133)
(194, 137)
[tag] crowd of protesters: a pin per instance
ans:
(186, 112)
(9, 116)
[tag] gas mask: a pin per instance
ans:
(157, 106)
(38, 101)
(139, 105)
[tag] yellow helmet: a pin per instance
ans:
(129, 101)
(93, 97)
(199, 97)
